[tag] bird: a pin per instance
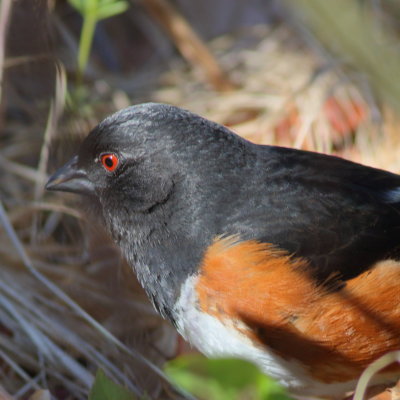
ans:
(287, 258)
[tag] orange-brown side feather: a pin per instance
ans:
(336, 334)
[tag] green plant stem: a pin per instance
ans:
(85, 43)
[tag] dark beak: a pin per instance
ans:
(70, 178)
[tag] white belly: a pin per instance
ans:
(216, 339)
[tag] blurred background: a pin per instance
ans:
(310, 74)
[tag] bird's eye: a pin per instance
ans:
(109, 161)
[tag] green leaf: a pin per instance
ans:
(110, 10)
(223, 379)
(101, 9)
(103, 3)
(105, 389)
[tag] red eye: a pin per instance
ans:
(110, 161)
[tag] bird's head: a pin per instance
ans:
(151, 161)
(130, 156)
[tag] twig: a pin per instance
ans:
(18, 369)
(55, 112)
(188, 43)
(56, 109)
(5, 11)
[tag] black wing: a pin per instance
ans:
(341, 216)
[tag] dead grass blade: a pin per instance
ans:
(372, 370)
(189, 44)
(5, 12)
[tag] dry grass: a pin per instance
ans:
(286, 90)
(68, 302)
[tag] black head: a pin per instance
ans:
(154, 169)
(139, 152)
(122, 156)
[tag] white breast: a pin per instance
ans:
(216, 339)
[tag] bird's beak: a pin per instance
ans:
(70, 178)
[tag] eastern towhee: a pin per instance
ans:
(287, 258)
